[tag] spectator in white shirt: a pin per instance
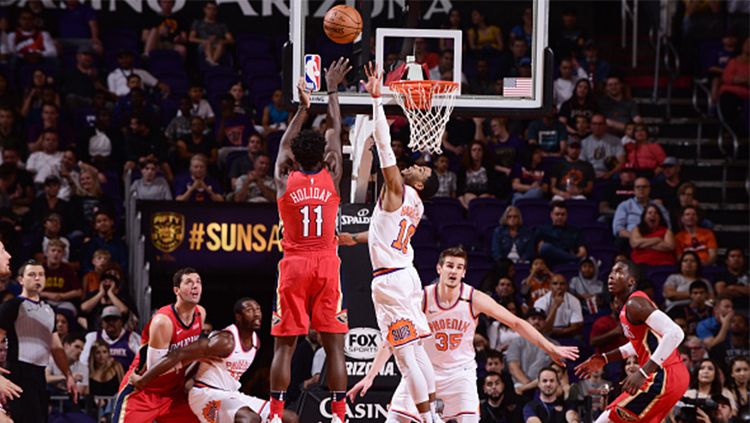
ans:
(117, 81)
(570, 73)
(199, 106)
(564, 315)
(45, 163)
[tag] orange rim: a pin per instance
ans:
(421, 91)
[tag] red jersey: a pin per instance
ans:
(182, 336)
(308, 211)
(644, 339)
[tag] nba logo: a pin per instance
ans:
(312, 72)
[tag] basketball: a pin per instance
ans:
(342, 24)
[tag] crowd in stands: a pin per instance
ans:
(568, 194)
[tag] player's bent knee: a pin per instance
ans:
(246, 415)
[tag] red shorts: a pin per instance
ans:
(142, 406)
(308, 294)
(654, 400)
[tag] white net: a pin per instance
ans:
(428, 106)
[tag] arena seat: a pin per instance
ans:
(444, 210)
(534, 212)
(164, 61)
(218, 80)
(581, 211)
(475, 275)
(426, 256)
(657, 275)
(485, 211)
(424, 236)
(595, 234)
(454, 234)
(568, 270)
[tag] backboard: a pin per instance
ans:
(509, 76)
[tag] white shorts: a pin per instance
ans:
(397, 296)
(456, 388)
(215, 405)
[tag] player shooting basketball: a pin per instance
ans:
(308, 293)
(396, 288)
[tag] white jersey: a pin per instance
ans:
(452, 343)
(389, 235)
(225, 374)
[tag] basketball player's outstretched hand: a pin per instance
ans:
(8, 389)
(594, 363)
(374, 79)
(360, 388)
(559, 353)
(336, 73)
(346, 239)
(304, 94)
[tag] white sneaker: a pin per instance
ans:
(276, 419)
(436, 418)
(336, 419)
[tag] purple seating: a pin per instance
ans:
(486, 235)
(426, 256)
(177, 82)
(455, 234)
(255, 67)
(485, 211)
(567, 270)
(522, 272)
(253, 46)
(596, 234)
(581, 212)
(164, 61)
(605, 253)
(475, 275)
(534, 212)
(424, 236)
(444, 210)
(427, 274)
(658, 275)
(262, 88)
(480, 259)
(218, 80)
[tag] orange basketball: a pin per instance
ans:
(342, 24)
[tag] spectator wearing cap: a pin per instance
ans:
(52, 229)
(104, 238)
(61, 281)
(618, 109)
(81, 82)
(603, 150)
(702, 241)
(72, 345)
(45, 162)
(667, 183)
(117, 80)
(123, 344)
(587, 286)
(572, 178)
(559, 243)
(525, 359)
(628, 213)
(564, 315)
(108, 294)
(150, 186)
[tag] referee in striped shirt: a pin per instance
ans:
(27, 321)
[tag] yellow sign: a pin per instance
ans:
(167, 231)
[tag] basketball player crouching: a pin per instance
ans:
(452, 309)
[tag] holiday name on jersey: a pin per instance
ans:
(310, 193)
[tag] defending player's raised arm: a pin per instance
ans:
(220, 345)
(381, 357)
(483, 303)
(333, 155)
(285, 156)
(394, 182)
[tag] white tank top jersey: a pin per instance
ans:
(389, 235)
(225, 374)
(452, 342)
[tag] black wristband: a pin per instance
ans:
(332, 92)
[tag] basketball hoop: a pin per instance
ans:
(428, 106)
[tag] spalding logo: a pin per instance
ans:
(361, 343)
(362, 218)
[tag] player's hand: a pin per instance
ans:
(336, 73)
(594, 363)
(136, 381)
(374, 79)
(8, 389)
(633, 382)
(701, 416)
(346, 239)
(70, 386)
(360, 388)
(304, 94)
(559, 353)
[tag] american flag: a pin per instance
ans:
(517, 87)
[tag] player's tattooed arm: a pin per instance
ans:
(217, 346)
(333, 155)
(285, 156)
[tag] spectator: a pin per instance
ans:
(49, 202)
(618, 109)
(476, 177)
(529, 180)
(733, 282)
(195, 143)
(117, 80)
(105, 373)
(453, 22)
(484, 39)
(108, 294)
(483, 83)
(122, 343)
(142, 143)
(628, 213)
(500, 336)
(52, 230)
(10, 129)
(597, 69)
(559, 243)
(524, 358)
(212, 36)
(150, 186)
(82, 82)
(444, 66)
(734, 93)
(62, 323)
(645, 156)
(594, 389)
(257, 186)
(275, 116)
(446, 178)
(104, 238)
(693, 238)
(50, 121)
(582, 129)
(233, 128)
(548, 406)
(61, 284)
(677, 286)
(581, 103)
(713, 330)
(30, 44)
(720, 59)
(737, 382)
(102, 262)
(706, 381)
(511, 239)
(179, 126)
(72, 345)
(606, 335)
(525, 29)
(19, 188)
(618, 191)
(105, 145)
(241, 106)
(244, 164)
(667, 184)
(572, 178)
(77, 26)
(504, 147)
(403, 156)
(570, 40)
(198, 105)
(697, 351)
(566, 82)
(587, 287)
(44, 163)
(89, 199)
(422, 55)
(499, 405)
(564, 316)
(198, 185)
(736, 344)
(602, 150)
(165, 32)
(538, 282)
(135, 103)
(550, 134)
(652, 241)
(519, 53)
(697, 309)
(34, 95)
